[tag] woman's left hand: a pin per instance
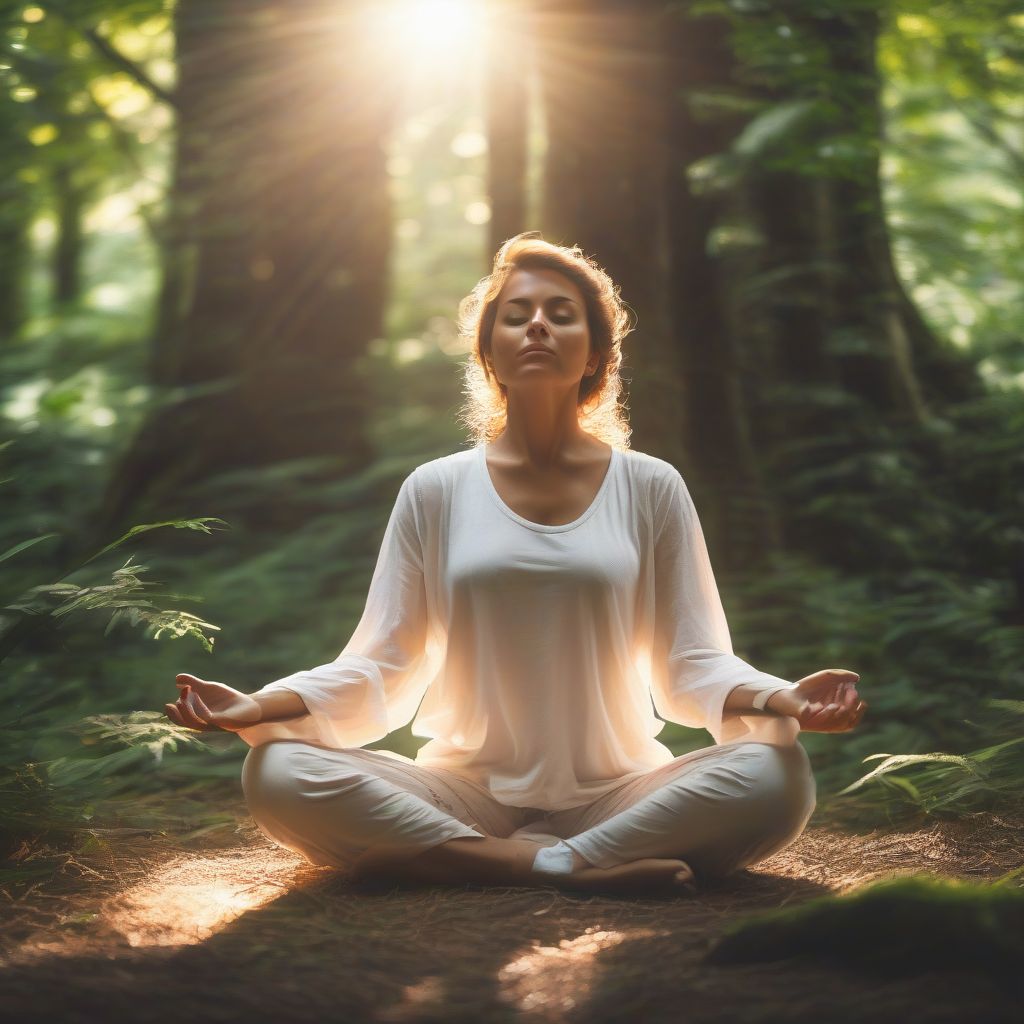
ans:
(207, 706)
(824, 701)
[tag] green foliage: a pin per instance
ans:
(953, 78)
(894, 928)
(39, 601)
(55, 796)
(909, 537)
(988, 778)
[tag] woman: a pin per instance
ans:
(535, 593)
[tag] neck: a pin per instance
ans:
(543, 433)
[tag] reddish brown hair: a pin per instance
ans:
(484, 410)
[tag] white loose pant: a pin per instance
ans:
(719, 808)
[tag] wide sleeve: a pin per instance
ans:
(375, 684)
(693, 668)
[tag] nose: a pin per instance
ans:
(537, 327)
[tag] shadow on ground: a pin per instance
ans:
(230, 927)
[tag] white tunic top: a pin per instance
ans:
(536, 650)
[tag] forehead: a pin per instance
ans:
(539, 283)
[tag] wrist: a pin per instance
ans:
(785, 702)
(279, 705)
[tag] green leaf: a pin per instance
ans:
(10, 552)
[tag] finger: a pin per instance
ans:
(843, 674)
(185, 717)
(172, 714)
(189, 683)
(814, 716)
(810, 709)
(845, 718)
(829, 719)
(192, 703)
(853, 715)
(199, 705)
(837, 681)
(176, 715)
(188, 714)
(201, 711)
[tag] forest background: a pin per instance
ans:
(233, 239)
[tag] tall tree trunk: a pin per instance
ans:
(15, 252)
(67, 252)
(876, 360)
(507, 102)
(794, 388)
(820, 301)
(603, 89)
(737, 513)
(279, 242)
(947, 374)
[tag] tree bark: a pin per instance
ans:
(276, 272)
(875, 356)
(603, 88)
(67, 252)
(507, 105)
(738, 515)
(15, 252)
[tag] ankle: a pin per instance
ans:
(579, 862)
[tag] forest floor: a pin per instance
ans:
(217, 924)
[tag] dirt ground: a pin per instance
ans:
(217, 924)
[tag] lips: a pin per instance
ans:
(536, 348)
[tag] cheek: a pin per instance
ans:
(502, 343)
(578, 336)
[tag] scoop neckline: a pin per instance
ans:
(481, 458)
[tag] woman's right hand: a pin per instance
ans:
(825, 701)
(207, 706)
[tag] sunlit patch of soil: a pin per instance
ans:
(182, 899)
(551, 980)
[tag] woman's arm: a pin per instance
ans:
(280, 705)
(825, 701)
(742, 698)
(696, 679)
(377, 681)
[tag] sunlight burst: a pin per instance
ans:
(429, 32)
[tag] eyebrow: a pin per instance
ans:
(554, 298)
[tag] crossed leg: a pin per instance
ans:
(383, 816)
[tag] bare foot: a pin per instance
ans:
(650, 874)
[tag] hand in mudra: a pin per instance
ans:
(824, 701)
(208, 707)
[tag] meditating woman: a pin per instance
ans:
(536, 599)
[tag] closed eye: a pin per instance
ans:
(558, 320)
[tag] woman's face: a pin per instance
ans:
(541, 307)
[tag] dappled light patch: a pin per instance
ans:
(422, 952)
(180, 901)
(548, 980)
(193, 897)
